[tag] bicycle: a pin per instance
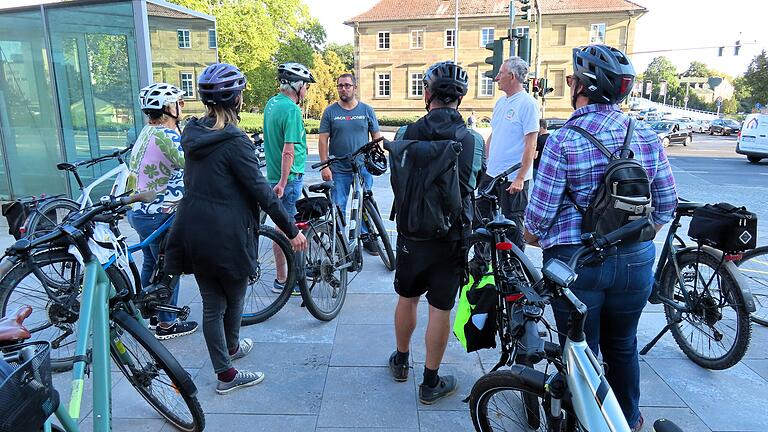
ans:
(110, 324)
(702, 291)
(577, 396)
(754, 266)
(51, 212)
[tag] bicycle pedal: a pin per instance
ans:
(184, 313)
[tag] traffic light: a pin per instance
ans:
(526, 9)
(737, 47)
(535, 86)
(524, 48)
(543, 89)
(720, 51)
(496, 59)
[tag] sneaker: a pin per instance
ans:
(399, 372)
(371, 248)
(179, 328)
(244, 347)
(153, 322)
(277, 287)
(446, 387)
(639, 425)
(296, 291)
(242, 379)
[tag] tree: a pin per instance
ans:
(753, 86)
(345, 52)
(253, 34)
(662, 69)
(697, 69)
(328, 67)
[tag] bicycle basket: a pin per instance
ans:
(27, 397)
(311, 208)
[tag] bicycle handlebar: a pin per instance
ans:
(367, 147)
(487, 192)
(115, 154)
(613, 238)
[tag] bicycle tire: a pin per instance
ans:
(60, 261)
(180, 384)
(319, 273)
(754, 266)
(706, 311)
(518, 389)
(49, 215)
(261, 303)
(378, 231)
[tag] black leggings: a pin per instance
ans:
(222, 311)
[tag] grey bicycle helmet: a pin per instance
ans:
(293, 72)
(446, 81)
(375, 161)
(220, 84)
(606, 73)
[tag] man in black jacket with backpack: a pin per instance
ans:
(435, 152)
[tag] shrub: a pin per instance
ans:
(397, 121)
(254, 122)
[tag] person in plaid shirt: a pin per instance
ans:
(572, 168)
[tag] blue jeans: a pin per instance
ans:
(291, 194)
(145, 225)
(343, 183)
(615, 292)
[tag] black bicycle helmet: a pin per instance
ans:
(606, 73)
(375, 161)
(292, 72)
(446, 81)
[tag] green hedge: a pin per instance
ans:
(397, 121)
(254, 122)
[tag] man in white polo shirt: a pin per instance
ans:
(515, 126)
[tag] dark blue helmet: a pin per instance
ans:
(220, 84)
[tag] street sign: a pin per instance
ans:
(663, 88)
(757, 105)
(648, 87)
(719, 99)
(719, 102)
(685, 99)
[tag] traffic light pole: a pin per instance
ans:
(512, 41)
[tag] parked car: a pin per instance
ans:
(701, 126)
(554, 124)
(753, 139)
(724, 127)
(672, 133)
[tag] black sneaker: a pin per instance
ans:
(371, 248)
(153, 322)
(445, 387)
(399, 372)
(179, 328)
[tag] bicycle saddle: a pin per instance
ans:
(66, 166)
(500, 224)
(12, 327)
(321, 187)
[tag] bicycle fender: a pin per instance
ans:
(733, 270)
(527, 263)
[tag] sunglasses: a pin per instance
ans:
(570, 80)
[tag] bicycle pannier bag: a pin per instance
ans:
(475, 322)
(623, 195)
(311, 208)
(724, 227)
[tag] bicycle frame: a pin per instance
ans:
(120, 172)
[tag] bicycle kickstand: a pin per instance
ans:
(653, 341)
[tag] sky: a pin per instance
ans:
(669, 24)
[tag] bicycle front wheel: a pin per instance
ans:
(378, 234)
(714, 330)
(155, 373)
(264, 297)
(501, 401)
(49, 215)
(754, 265)
(325, 283)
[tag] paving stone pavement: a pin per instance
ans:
(333, 376)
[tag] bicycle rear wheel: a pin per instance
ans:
(498, 403)
(54, 317)
(155, 373)
(325, 284)
(754, 265)
(263, 299)
(49, 215)
(715, 332)
(378, 234)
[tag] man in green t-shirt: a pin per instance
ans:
(285, 145)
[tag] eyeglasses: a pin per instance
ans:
(344, 86)
(570, 79)
(307, 86)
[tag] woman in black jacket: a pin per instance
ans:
(212, 236)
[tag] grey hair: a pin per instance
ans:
(287, 86)
(518, 67)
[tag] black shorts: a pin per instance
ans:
(434, 267)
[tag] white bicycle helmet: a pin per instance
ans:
(156, 96)
(292, 72)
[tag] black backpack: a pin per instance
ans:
(624, 194)
(425, 181)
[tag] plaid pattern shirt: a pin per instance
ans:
(573, 165)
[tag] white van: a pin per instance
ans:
(753, 139)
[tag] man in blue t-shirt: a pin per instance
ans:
(344, 128)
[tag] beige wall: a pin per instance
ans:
(401, 60)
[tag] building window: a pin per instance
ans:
(187, 85)
(486, 36)
(383, 40)
(450, 38)
(212, 38)
(623, 37)
(558, 35)
(486, 86)
(417, 39)
(557, 81)
(597, 33)
(183, 36)
(416, 89)
(383, 84)
(522, 32)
